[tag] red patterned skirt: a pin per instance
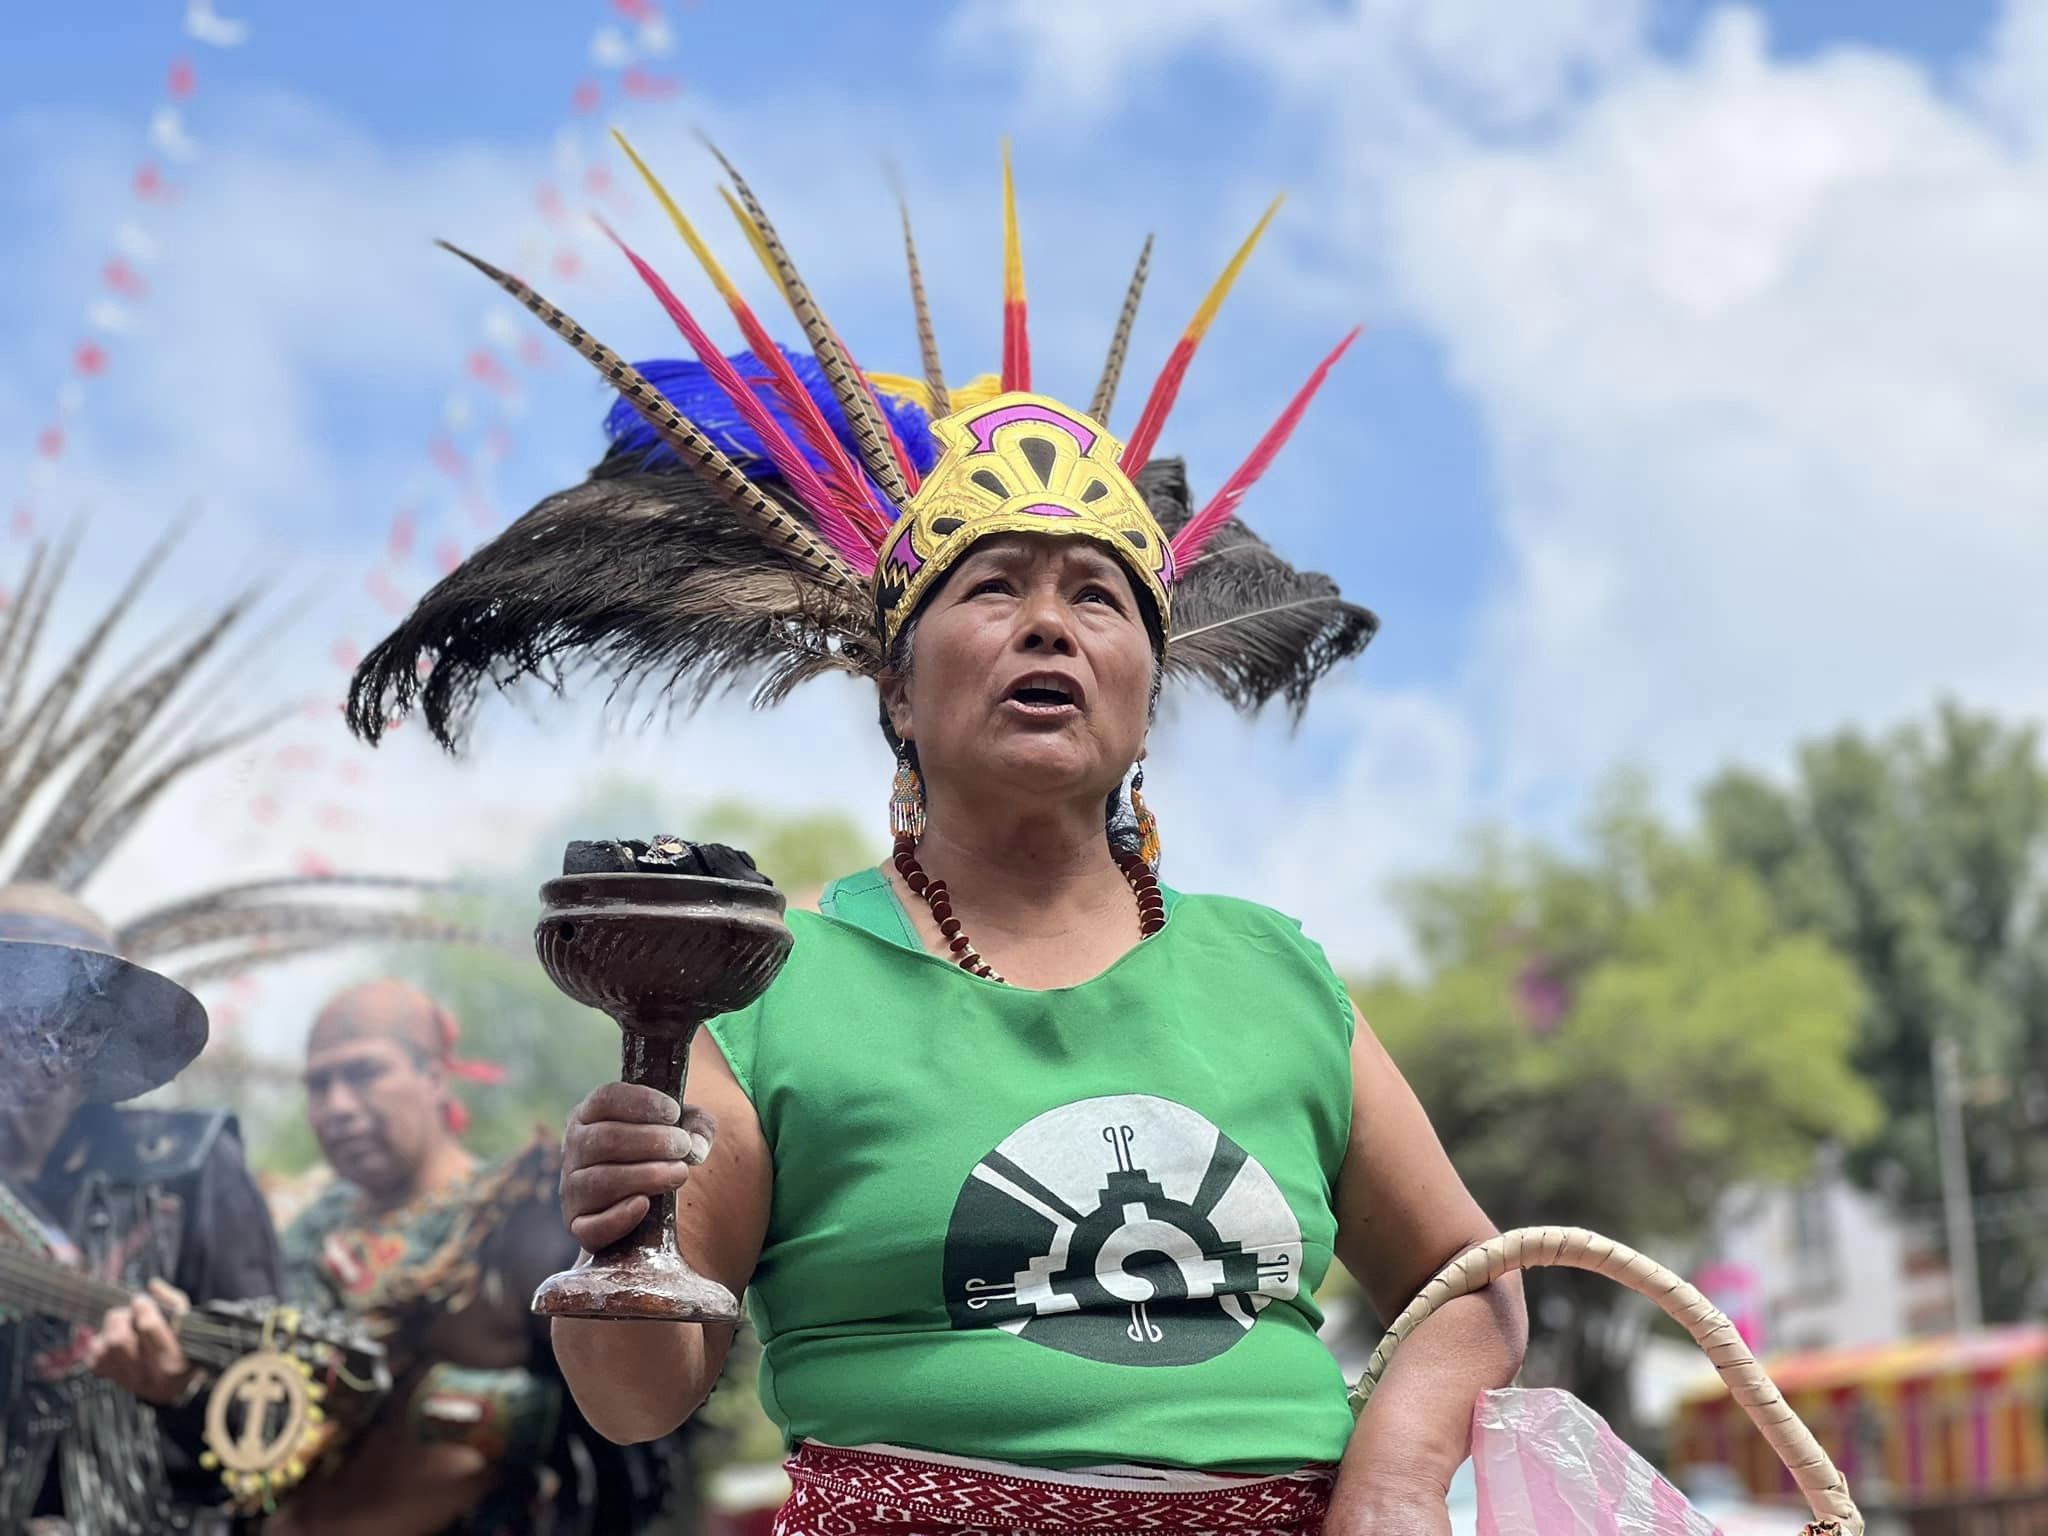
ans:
(882, 1491)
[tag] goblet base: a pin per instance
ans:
(650, 1285)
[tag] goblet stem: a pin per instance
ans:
(659, 1060)
(644, 1275)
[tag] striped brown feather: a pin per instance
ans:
(296, 922)
(20, 734)
(112, 728)
(777, 526)
(104, 830)
(927, 337)
(1120, 339)
(863, 416)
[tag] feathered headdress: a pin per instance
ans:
(766, 517)
(81, 766)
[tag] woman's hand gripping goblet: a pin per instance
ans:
(624, 1148)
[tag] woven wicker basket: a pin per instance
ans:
(1834, 1514)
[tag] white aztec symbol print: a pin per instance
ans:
(1126, 1229)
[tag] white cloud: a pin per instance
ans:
(1771, 457)
(1747, 339)
(1233, 818)
(1383, 61)
(2012, 77)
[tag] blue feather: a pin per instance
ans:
(691, 391)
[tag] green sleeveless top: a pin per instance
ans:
(1061, 1228)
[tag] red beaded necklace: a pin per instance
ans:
(1144, 885)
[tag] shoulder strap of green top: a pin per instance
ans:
(865, 900)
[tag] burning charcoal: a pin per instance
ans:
(607, 857)
(662, 854)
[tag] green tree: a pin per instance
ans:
(1612, 1040)
(1922, 857)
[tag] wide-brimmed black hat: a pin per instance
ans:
(69, 1010)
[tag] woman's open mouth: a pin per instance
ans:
(1044, 696)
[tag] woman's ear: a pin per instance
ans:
(896, 703)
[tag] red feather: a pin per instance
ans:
(1158, 406)
(789, 460)
(911, 478)
(1200, 528)
(846, 484)
(1016, 348)
(1166, 389)
(1016, 330)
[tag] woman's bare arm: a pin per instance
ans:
(1402, 1214)
(638, 1381)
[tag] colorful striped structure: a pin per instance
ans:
(1929, 1421)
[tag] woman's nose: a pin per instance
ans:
(1046, 629)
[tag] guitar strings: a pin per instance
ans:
(50, 1287)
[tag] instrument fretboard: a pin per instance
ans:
(33, 1282)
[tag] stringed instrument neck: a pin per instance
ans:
(35, 1283)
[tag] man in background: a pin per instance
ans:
(480, 1435)
(100, 1429)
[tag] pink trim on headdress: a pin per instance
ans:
(986, 427)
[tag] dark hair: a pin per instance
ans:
(1119, 820)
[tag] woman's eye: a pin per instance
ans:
(1098, 595)
(991, 584)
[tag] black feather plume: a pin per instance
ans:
(643, 577)
(1245, 622)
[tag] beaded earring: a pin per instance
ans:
(1148, 824)
(906, 800)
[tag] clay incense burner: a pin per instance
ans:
(660, 951)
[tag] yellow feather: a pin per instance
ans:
(683, 226)
(863, 417)
(897, 386)
(759, 245)
(1013, 244)
(1199, 326)
(979, 390)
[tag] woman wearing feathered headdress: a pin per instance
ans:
(1032, 1165)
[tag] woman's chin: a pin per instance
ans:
(1043, 764)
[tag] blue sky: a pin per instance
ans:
(427, 74)
(1664, 381)
(1416, 538)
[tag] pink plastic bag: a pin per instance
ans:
(1547, 1465)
